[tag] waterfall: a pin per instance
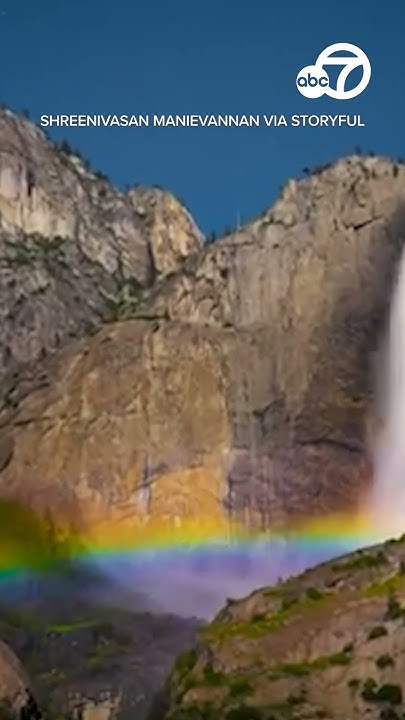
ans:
(388, 495)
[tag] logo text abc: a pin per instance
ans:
(312, 81)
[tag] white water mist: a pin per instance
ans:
(388, 496)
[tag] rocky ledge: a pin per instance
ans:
(327, 644)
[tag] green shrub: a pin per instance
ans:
(185, 662)
(314, 594)
(343, 657)
(193, 712)
(369, 690)
(301, 669)
(36, 248)
(394, 610)
(109, 631)
(389, 713)
(101, 176)
(389, 586)
(104, 656)
(211, 238)
(294, 700)
(377, 632)
(348, 648)
(287, 602)
(213, 677)
(244, 712)
(53, 677)
(65, 147)
(295, 669)
(390, 694)
(387, 693)
(384, 661)
(124, 304)
(240, 687)
(362, 561)
(258, 617)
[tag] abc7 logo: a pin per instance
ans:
(313, 80)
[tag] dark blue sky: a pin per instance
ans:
(203, 56)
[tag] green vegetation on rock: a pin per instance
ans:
(363, 561)
(185, 662)
(314, 594)
(387, 693)
(385, 586)
(377, 631)
(384, 661)
(205, 711)
(394, 609)
(36, 248)
(244, 712)
(344, 657)
(260, 624)
(65, 628)
(125, 302)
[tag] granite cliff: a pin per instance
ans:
(16, 700)
(74, 252)
(236, 381)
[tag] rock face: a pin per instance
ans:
(16, 700)
(117, 415)
(170, 230)
(241, 389)
(74, 251)
(87, 660)
(239, 386)
(327, 644)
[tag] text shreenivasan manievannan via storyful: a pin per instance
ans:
(83, 120)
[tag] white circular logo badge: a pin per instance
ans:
(313, 80)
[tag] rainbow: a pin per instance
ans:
(32, 548)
